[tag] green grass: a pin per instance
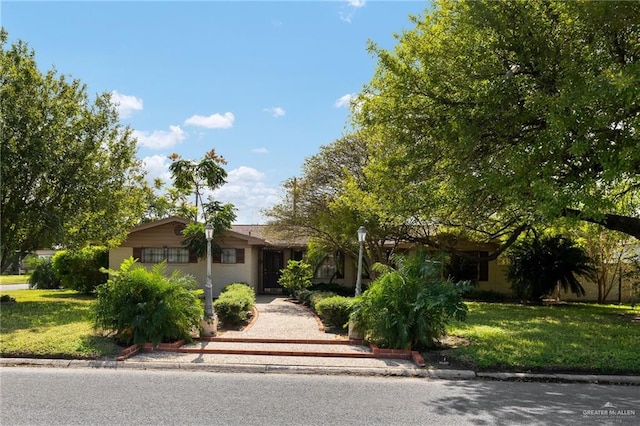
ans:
(14, 279)
(567, 337)
(51, 324)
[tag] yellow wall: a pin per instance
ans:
(221, 274)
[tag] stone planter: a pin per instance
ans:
(354, 333)
(209, 327)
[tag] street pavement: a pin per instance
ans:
(285, 337)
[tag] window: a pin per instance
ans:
(229, 256)
(159, 254)
(469, 265)
(331, 267)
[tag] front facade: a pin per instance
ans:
(249, 255)
(245, 255)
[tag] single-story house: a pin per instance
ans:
(251, 256)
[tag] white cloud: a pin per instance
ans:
(276, 111)
(345, 101)
(126, 104)
(157, 166)
(350, 9)
(214, 121)
(247, 191)
(160, 139)
(261, 150)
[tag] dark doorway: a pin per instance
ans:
(273, 263)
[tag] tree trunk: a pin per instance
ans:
(625, 224)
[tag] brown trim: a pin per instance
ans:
(137, 253)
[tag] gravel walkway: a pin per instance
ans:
(278, 318)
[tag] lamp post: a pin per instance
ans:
(362, 235)
(208, 288)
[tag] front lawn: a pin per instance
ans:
(51, 324)
(565, 337)
(14, 279)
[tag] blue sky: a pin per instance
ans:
(264, 83)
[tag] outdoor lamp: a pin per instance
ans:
(362, 235)
(208, 231)
(208, 288)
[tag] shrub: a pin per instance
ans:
(408, 308)
(80, 270)
(235, 303)
(304, 296)
(43, 275)
(5, 298)
(338, 289)
(139, 306)
(296, 276)
(335, 310)
(317, 296)
(537, 266)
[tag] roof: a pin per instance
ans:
(262, 232)
(252, 234)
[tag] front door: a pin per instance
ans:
(273, 263)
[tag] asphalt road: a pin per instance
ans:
(38, 396)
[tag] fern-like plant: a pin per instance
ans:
(409, 307)
(138, 305)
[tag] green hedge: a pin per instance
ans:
(335, 310)
(235, 303)
(43, 276)
(80, 269)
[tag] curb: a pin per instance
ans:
(428, 373)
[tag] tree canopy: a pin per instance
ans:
(492, 116)
(68, 168)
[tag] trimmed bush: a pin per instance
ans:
(317, 296)
(335, 310)
(80, 270)
(304, 296)
(235, 303)
(296, 276)
(139, 306)
(43, 275)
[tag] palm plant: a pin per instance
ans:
(540, 265)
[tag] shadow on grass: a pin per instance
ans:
(26, 315)
(66, 295)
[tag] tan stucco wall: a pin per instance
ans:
(221, 274)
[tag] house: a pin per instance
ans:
(246, 255)
(249, 255)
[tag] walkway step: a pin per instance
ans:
(280, 347)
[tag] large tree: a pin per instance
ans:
(318, 203)
(513, 113)
(69, 173)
